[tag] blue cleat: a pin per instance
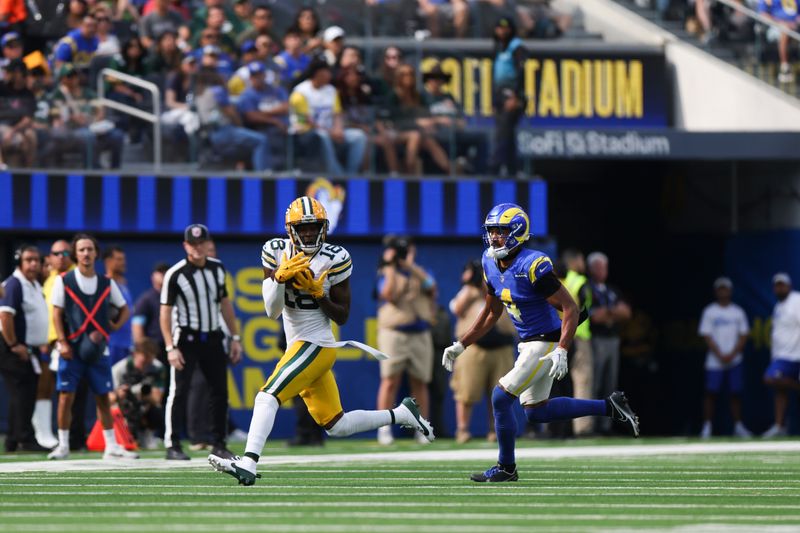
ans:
(495, 474)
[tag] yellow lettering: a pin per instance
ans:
(427, 64)
(572, 87)
(229, 285)
(549, 97)
(761, 333)
(470, 87)
(371, 331)
(531, 68)
(234, 398)
(587, 89)
(452, 67)
(248, 290)
(603, 102)
(258, 344)
(253, 380)
(629, 88)
(486, 88)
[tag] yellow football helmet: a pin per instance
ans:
(302, 211)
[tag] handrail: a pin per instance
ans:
(733, 4)
(154, 117)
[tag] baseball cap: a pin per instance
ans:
(248, 46)
(723, 282)
(189, 58)
(196, 233)
(10, 37)
(211, 50)
(781, 277)
(332, 33)
(255, 67)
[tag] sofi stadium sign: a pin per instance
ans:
(567, 88)
(591, 143)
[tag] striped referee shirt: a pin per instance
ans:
(196, 293)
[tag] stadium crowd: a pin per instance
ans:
(411, 325)
(244, 84)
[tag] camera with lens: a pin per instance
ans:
(400, 246)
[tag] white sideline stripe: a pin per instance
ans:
(634, 450)
(106, 481)
(483, 494)
(408, 516)
(457, 484)
(399, 504)
(387, 528)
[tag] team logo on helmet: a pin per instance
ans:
(302, 211)
(511, 217)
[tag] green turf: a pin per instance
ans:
(754, 492)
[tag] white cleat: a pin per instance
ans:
(59, 453)
(46, 441)
(385, 437)
(705, 434)
(775, 431)
(118, 452)
(408, 416)
(742, 432)
(232, 468)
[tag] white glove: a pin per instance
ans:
(450, 354)
(559, 359)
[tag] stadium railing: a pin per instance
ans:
(154, 118)
(756, 63)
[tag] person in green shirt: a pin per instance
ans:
(581, 365)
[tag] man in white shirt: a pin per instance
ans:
(724, 328)
(783, 373)
(82, 303)
(316, 114)
(23, 331)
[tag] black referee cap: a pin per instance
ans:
(196, 233)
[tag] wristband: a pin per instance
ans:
(236, 338)
(170, 349)
(11, 346)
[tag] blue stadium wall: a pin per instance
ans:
(146, 216)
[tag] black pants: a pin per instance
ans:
(206, 352)
(505, 139)
(77, 428)
(198, 425)
(21, 382)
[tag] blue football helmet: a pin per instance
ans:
(509, 216)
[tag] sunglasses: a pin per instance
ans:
(62, 253)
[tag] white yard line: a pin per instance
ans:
(561, 452)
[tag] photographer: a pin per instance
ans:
(406, 306)
(139, 390)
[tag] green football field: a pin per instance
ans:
(615, 485)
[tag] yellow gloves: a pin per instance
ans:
(289, 268)
(304, 280)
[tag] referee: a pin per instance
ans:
(195, 288)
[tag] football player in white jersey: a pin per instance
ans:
(307, 280)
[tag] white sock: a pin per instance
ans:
(111, 439)
(63, 438)
(264, 412)
(358, 421)
(42, 417)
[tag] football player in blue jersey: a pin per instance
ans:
(522, 281)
